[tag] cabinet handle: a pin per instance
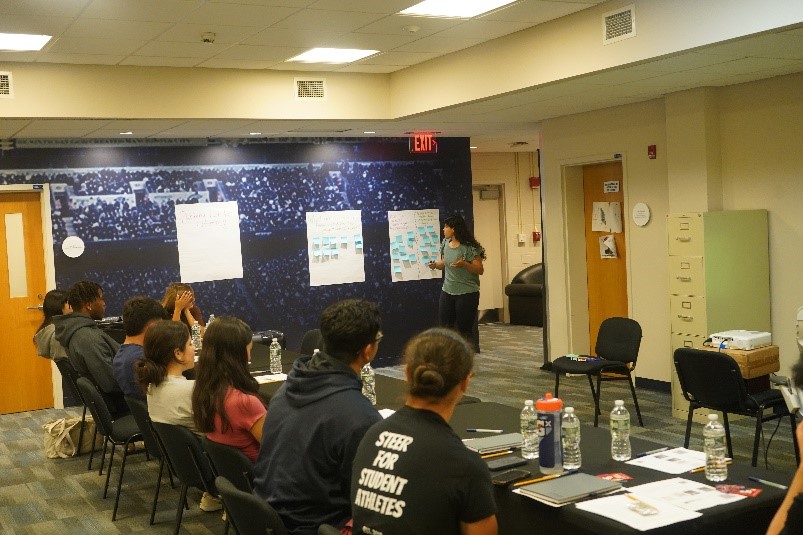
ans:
(684, 317)
(682, 278)
(683, 238)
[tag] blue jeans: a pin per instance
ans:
(460, 313)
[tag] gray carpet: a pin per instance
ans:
(59, 496)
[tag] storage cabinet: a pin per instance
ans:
(719, 279)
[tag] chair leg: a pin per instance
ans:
(688, 425)
(635, 399)
(109, 470)
(156, 492)
(557, 383)
(81, 432)
(795, 445)
(120, 481)
(103, 455)
(726, 425)
(595, 394)
(757, 436)
(92, 453)
(182, 501)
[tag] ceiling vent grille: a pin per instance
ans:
(6, 89)
(619, 25)
(310, 89)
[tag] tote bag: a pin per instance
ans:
(61, 437)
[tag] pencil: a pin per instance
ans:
(544, 478)
(489, 455)
(703, 468)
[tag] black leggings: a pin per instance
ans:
(460, 313)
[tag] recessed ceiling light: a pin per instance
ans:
(254, 133)
(333, 55)
(464, 9)
(23, 41)
(369, 132)
(126, 133)
(473, 147)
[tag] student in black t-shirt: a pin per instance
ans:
(412, 474)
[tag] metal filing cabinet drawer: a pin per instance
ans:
(685, 234)
(686, 275)
(688, 315)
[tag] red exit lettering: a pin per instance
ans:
(423, 143)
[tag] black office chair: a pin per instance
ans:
(617, 348)
(139, 410)
(713, 380)
(251, 515)
(68, 372)
(187, 459)
(120, 432)
(231, 463)
(311, 341)
(327, 529)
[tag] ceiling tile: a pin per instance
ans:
(535, 12)
(396, 24)
(345, 21)
(181, 50)
(142, 10)
(115, 29)
(270, 3)
(10, 127)
(192, 33)
(68, 8)
(483, 29)
(202, 128)
(62, 127)
(88, 45)
(306, 67)
(238, 15)
(365, 6)
(439, 45)
(237, 64)
(306, 39)
(259, 53)
(34, 24)
(376, 69)
(160, 61)
(82, 59)
(785, 45)
(368, 41)
(398, 58)
(19, 56)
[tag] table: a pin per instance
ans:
(520, 515)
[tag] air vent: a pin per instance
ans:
(309, 89)
(6, 89)
(619, 25)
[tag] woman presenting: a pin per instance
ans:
(461, 260)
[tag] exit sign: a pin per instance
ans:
(423, 143)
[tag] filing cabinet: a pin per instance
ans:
(719, 279)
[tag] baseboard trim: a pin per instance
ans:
(655, 385)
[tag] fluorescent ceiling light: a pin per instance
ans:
(369, 132)
(463, 9)
(254, 133)
(129, 133)
(23, 41)
(333, 55)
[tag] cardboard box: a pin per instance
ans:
(754, 363)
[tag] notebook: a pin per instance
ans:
(493, 444)
(570, 488)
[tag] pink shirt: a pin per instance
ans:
(243, 411)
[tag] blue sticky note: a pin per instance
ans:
(397, 269)
(399, 238)
(334, 253)
(344, 240)
(325, 240)
(326, 253)
(425, 258)
(410, 235)
(358, 240)
(402, 247)
(426, 239)
(316, 253)
(394, 255)
(403, 257)
(316, 241)
(394, 246)
(412, 258)
(424, 248)
(431, 229)
(422, 230)
(433, 248)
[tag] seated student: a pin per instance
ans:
(179, 302)
(439, 485)
(139, 314)
(315, 422)
(167, 353)
(89, 349)
(54, 304)
(789, 518)
(225, 401)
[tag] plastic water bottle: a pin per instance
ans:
(529, 431)
(195, 334)
(368, 379)
(275, 356)
(716, 468)
(550, 454)
(211, 319)
(620, 432)
(570, 438)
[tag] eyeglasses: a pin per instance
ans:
(379, 336)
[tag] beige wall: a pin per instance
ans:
(760, 127)
(522, 204)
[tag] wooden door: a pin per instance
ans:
(25, 378)
(488, 231)
(607, 277)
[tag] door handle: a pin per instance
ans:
(37, 307)
(685, 317)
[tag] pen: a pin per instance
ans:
(657, 450)
(545, 478)
(643, 507)
(489, 455)
(703, 468)
(479, 430)
(768, 483)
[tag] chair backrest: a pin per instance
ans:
(139, 410)
(327, 529)
(96, 405)
(67, 370)
(251, 515)
(231, 463)
(186, 456)
(711, 379)
(311, 341)
(619, 339)
(530, 275)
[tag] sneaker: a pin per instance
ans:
(210, 503)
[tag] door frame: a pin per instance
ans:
(503, 248)
(50, 267)
(575, 239)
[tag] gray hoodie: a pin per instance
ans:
(89, 348)
(46, 344)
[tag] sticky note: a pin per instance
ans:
(397, 269)
(431, 229)
(316, 241)
(412, 258)
(421, 230)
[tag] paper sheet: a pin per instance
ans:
(270, 378)
(208, 236)
(684, 493)
(335, 247)
(606, 217)
(618, 508)
(674, 461)
(414, 242)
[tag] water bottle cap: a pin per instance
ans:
(712, 417)
(549, 403)
(569, 410)
(275, 339)
(619, 402)
(528, 402)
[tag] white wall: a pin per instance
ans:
(760, 132)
